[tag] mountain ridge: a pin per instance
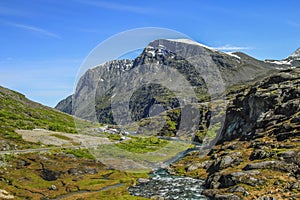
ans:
(233, 68)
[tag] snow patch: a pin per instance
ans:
(296, 54)
(233, 55)
(188, 41)
(279, 62)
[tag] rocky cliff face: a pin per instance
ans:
(258, 152)
(65, 105)
(205, 69)
(267, 103)
(99, 80)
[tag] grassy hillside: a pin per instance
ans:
(60, 173)
(17, 112)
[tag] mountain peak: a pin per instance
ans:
(296, 54)
(182, 41)
(189, 41)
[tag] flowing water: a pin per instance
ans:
(163, 184)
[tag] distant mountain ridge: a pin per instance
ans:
(291, 61)
(200, 65)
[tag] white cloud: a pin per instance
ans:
(117, 6)
(34, 29)
(229, 47)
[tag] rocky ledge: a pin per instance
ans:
(258, 152)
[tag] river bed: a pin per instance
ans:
(163, 184)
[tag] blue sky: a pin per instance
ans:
(44, 42)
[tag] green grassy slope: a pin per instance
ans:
(72, 172)
(17, 112)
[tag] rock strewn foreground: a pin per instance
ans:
(258, 153)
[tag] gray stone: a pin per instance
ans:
(275, 165)
(266, 197)
(245, 177)
(143, 180)
(22, 163)
(225, 161)
(209, 192)
(245, 194)
(194, 167)
(4, 145)
(236, 189)
(212, 181)
(291, 156)
(204, 165)
(52, 187)
(295, 185)
(276, 183)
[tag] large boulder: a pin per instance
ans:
(225, 161)
(245, 177)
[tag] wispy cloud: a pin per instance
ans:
(33, 29)
(293, 23)
(118, 6)
(229, 47)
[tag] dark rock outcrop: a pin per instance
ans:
(266, 104)
(258, 150)
(50, 175)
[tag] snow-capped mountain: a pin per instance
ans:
(291, 62)
(203, 67)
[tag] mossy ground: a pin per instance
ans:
(142, 144)
(74, 173)
(146, 157)
(17, 112)
(25, 181)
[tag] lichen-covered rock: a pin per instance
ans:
(236, 189)
(212, 181)
(225, 161)
(266, 197)
(259, 154)
(244, 177)
(275, 165)
(81, 171)
(205, 165)
(291, 157)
